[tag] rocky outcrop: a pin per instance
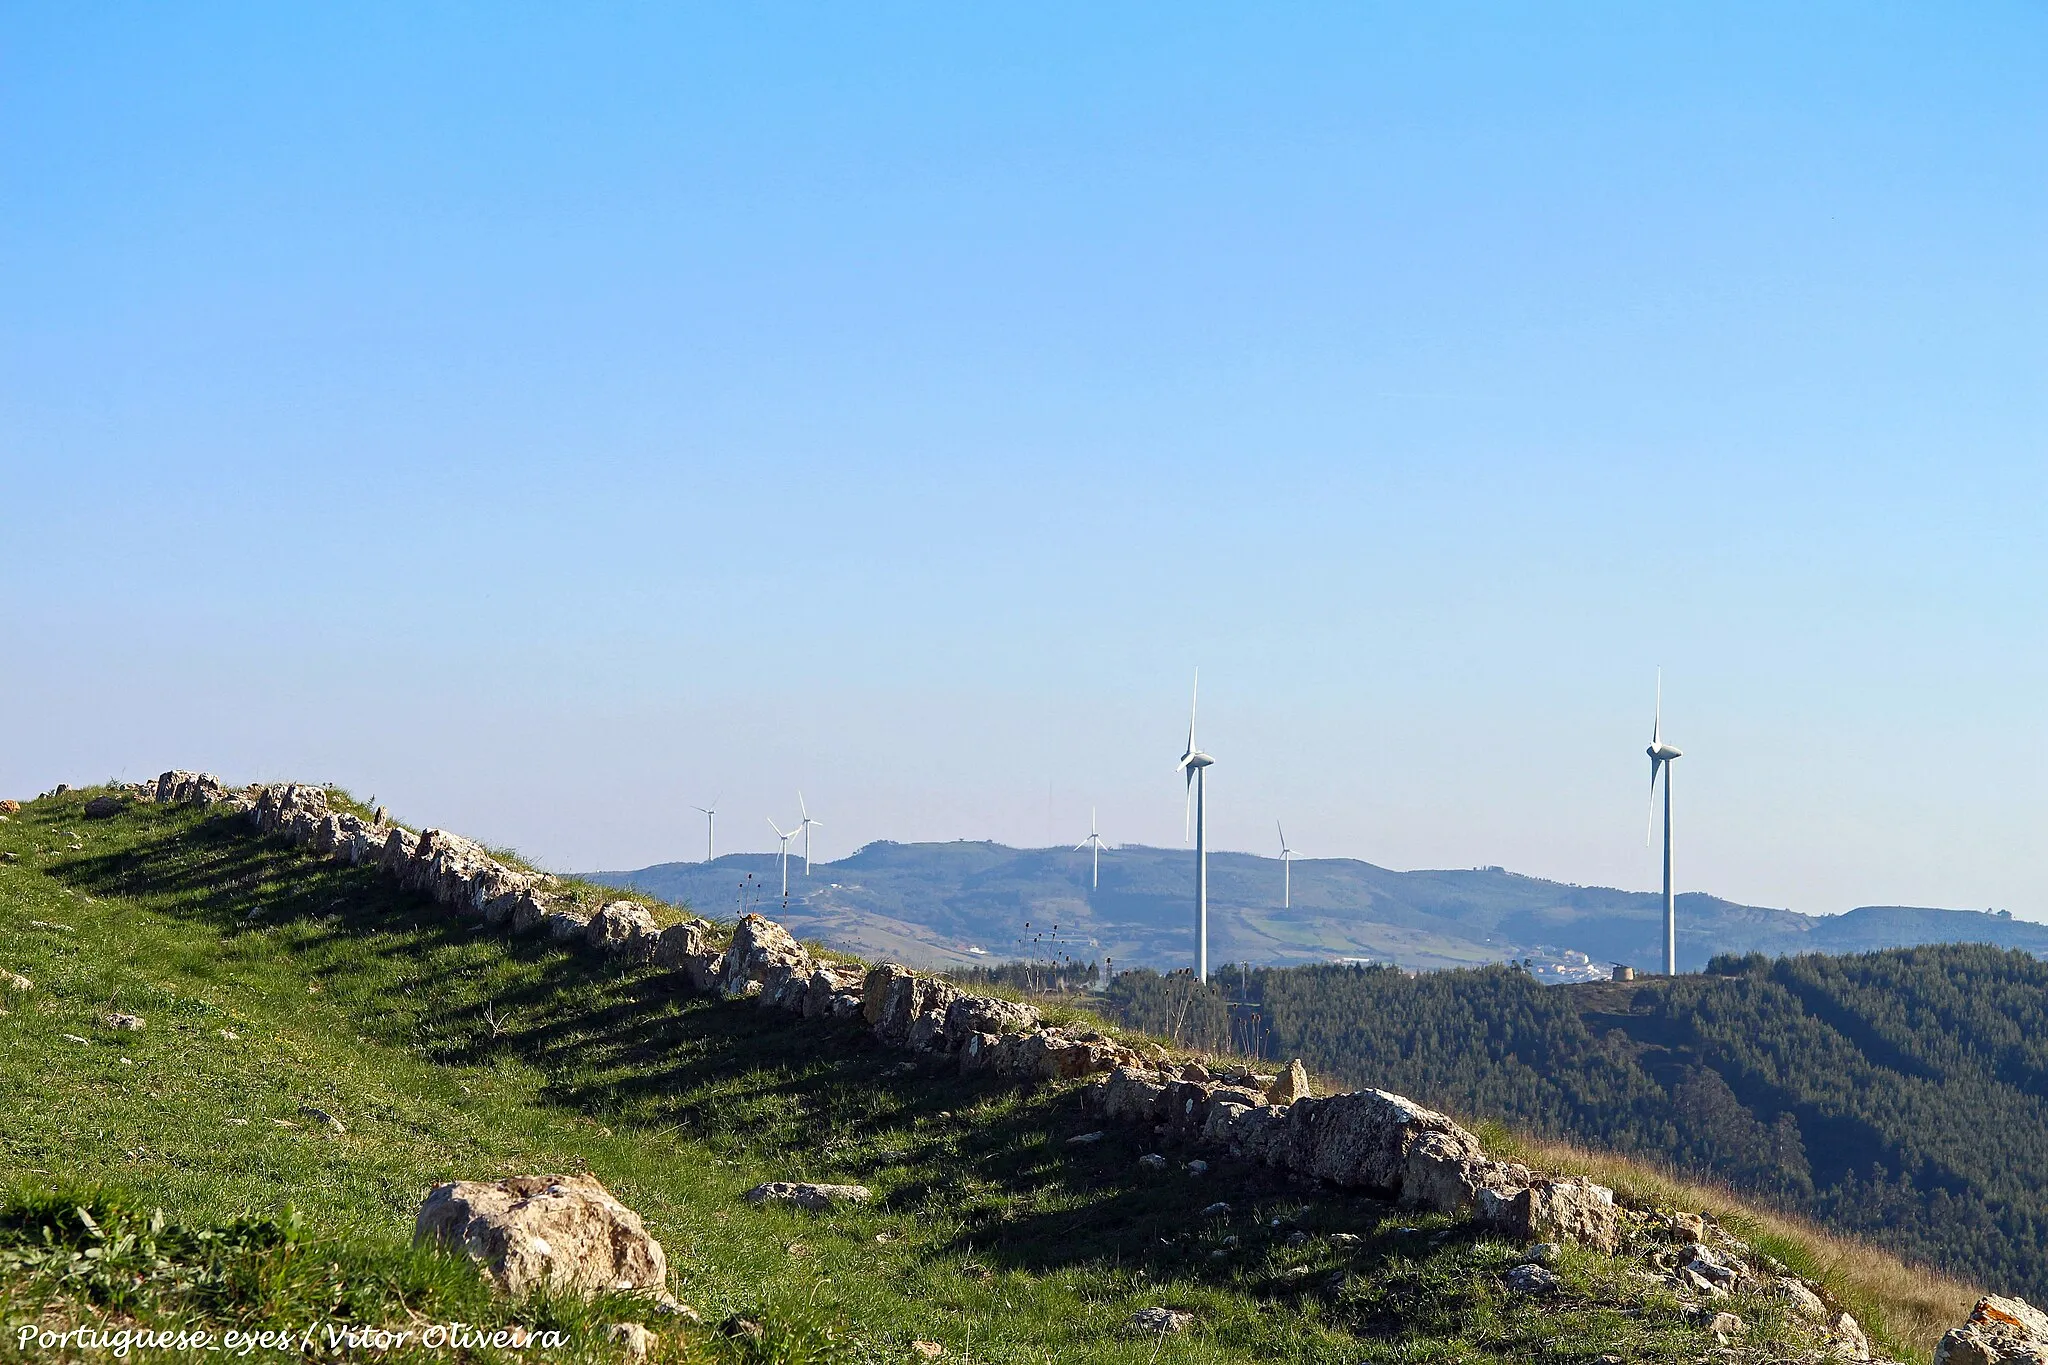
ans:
(562, 1233)
(2000, 1331)
(1367, 1140)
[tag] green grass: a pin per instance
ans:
(272, 983)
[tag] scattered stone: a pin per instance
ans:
(1572, 1210)
(738, 1328)
(1082, 1139)
(1801, 1299)
(16, 981)
(126, 1023)
(101, 807)
(1726, 1325)
(239, 1123)
(1152, 1161)
(1290, 1085)
(1345, 1239)
(74, 1038)
(1543, 1253)
(283, 1123)
(623, 929)
(10, 807)
(322, 1116)
(1196, 1072)
(230, 1035)
(1296, 1239)
(561, 1233)
(1532, 1279)
(805, 1195)
(2000, 1331)
(930, 1350)
(1198, 1167)
(636, 1340)
(1159, 1322)
(1219, 1209)
(669, 1306)
(1688, 1227)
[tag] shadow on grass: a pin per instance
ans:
(637, 1049)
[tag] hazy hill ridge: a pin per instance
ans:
(934, 903)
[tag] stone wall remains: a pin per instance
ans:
(1368, 1140)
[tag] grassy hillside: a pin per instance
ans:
(1901, 1095)
(274, 985)
(931, 903)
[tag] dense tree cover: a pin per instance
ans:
(1902, 1094)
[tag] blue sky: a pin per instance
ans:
(546, 418)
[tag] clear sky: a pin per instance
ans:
(545, 418)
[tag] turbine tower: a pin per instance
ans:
(785, 854)
(710, 828)
(805, 825)
(1093, 842)
(1192, 763)
(1661, 757)
(1286, 870)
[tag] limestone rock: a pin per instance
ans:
(634, 1340)
(687, 948)
(2000, 1331)
(972, 1014)
(1573, 1210)
(564, 1233)
(1800, 1298)
(1849, 1339)
(762, 951)
(623, 929)
(1530, 1278)
(564, 926)
(101, 807)
(805, 1195)
(15, 981)
(126, 1023)
(1159, 1322)
(1290, 1085)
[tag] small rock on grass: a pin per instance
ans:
(323, 1116)
(1152, 1161)
(806, 1195)
(636, 1340)
(1219, 1209)
(16, 981)
(1198, 1167)
(1543, 1253)
(127, 1023)
(1532, 1279)
(1082, 1139)
(1161, 1322)
(74, 1038)
(930, 1350)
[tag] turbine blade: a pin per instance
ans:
(1650, 829)
(802, 809)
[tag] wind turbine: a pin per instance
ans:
(785, 854)
(1286, 870)
(1192, 763)
(1661, 757)
(1093, 841)
(710, 827)
(805, 825)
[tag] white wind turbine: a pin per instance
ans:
(1286, 870)
(785, 854)
(710, 828)
(1094, 842)
(1661, 756)
(1193, 762)
(805, 825)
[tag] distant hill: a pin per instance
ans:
(936, 904)
(1901, 1095)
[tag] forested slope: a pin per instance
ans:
(1900, 1094)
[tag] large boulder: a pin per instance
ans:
(623, 929)
(763, 954)
(1573, 1210)
(1372, 1140)
(1130, 1095)
(562, 1233)
(972, 1014)
(687, 948)
(2000, 1331)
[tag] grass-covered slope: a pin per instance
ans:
(274, 985)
